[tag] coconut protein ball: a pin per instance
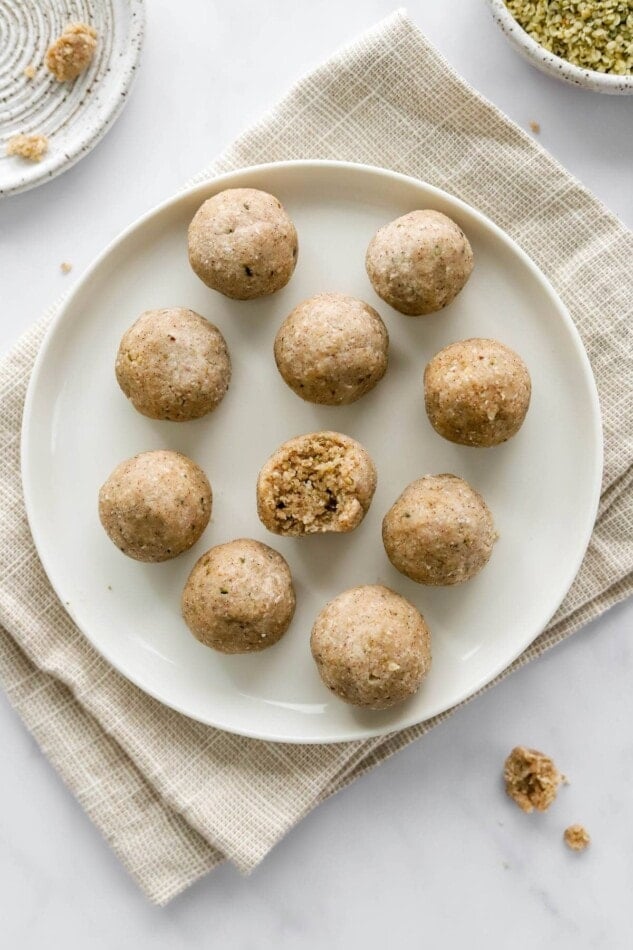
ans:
(239, 597)
(243, 244)
(173, 364)
(419, 262)
(332, 349)
(372, 647)
(323, 481)
(155, 505)
(439, 531)
(477, 392)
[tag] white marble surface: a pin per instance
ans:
(426, 850)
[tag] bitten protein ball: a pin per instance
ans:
(419, 262)
(173, 364)
(239, 597)
(323, 481)
(439, 531)
(243, 244)
(332, 349)
(156, 505)
(371, 646)
(477, 392)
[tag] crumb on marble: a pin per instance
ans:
(535, 126)
(29, 72)
(72, 52)
(31, 147)
(576, 837)
(531, 779)
(65, 267)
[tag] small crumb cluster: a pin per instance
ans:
(592, 34)
(32, 147)
(72, 52)
(372, 647)
(576, 837)
(531, 779)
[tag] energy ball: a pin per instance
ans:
(419, 262)
(239, 597)
(332, 349)
(323, 481)
(372, 647)
(173, 364)
(156, 505)
(243, 244)
(477, 392)
(439, 531)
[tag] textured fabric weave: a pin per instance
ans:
(173, 797)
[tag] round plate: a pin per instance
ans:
(74, 115)
(542, 486)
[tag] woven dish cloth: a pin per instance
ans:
(173, 797)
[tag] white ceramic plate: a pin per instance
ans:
(74, 115)
(542, 486)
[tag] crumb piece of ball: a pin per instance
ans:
(72, 52)
(29, 72)
(535, 126)
(576, 837)
(65, 267)
(531, 779)
(31, 147)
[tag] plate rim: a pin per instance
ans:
(225, 179)
(69, 157)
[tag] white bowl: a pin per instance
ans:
(554, 65)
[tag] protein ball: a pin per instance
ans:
(156, 505)
(332, 349)
(372, 647)
(477, 392)
(173, 364)
(439, 531)
(243, 244)
(239, 597)
(323, 481)
(419, 262)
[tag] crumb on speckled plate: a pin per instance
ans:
(31, 147)
(73, 115)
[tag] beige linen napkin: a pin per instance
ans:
(173, 797)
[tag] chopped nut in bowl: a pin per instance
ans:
(587, 43)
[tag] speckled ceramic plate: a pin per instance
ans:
(542, 486)
(73, 115)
